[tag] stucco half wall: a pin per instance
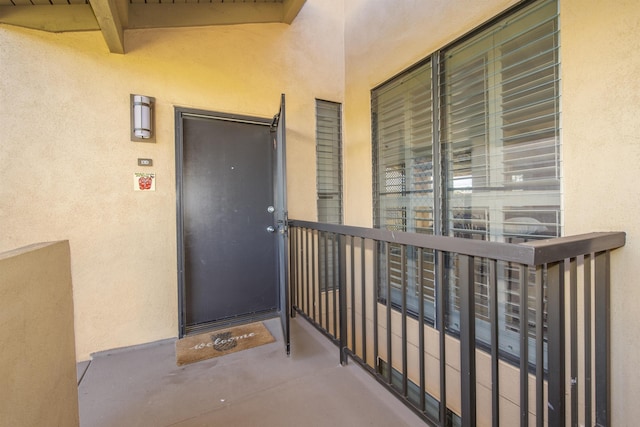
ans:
(37, 361)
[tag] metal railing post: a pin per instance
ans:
(602, 340)
(342, 256)
(467, 340)
(556, 344)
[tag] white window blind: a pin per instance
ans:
(500, 131)
(403, 154)
(404, 186)
(489, 169)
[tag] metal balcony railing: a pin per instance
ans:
(442, 322)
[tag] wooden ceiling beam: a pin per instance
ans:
(106, 13)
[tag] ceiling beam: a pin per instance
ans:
(291, 10)
(52, 18)
(106, 13)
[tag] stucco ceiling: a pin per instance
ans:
(112, 17)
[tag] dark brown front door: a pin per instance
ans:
(228, 230)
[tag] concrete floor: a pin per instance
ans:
(143, 386)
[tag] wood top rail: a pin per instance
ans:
(530, 253)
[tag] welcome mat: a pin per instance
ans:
(218, 343)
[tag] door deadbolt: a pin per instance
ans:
(271, 229)
(271, 209)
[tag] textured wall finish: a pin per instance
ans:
(37, 361)
(66, 159)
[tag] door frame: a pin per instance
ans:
(180, 114)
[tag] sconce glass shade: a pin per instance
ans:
(141, 117)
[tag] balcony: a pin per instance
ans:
(450, 360)
(441, 322)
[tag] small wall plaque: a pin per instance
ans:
(145, 162)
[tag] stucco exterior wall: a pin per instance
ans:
(600, 127)
(37, 361)
(601, 137)
(66, 159)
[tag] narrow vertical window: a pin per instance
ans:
(329, 161)
(329, 185)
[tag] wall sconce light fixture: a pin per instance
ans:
(142, 118)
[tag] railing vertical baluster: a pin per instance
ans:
(318, 291)
(588, 407)
(602, 339)
(313, 275)
(540, 403)
(495, 349)
(420, 254)
(353, 297)
(327, 281)
(293, 261)
(573, 349)
(305, 286)
(336, 282)
(467, 340)
(363, 302)
(556, 343)
(524, 345)
(388, 310)
(440, 314)
(342, 260)
(404, 284)
(301, 268)
(310, 253)
(374, 297)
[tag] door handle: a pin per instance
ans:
(271, 229)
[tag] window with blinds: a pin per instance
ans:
(500, 127)
(404, 190)
(329, 161)
(490, 167)
(328, 181)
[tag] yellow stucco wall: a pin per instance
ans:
(66, 159)
(601, 137)
(600, 105)
(37, 361)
